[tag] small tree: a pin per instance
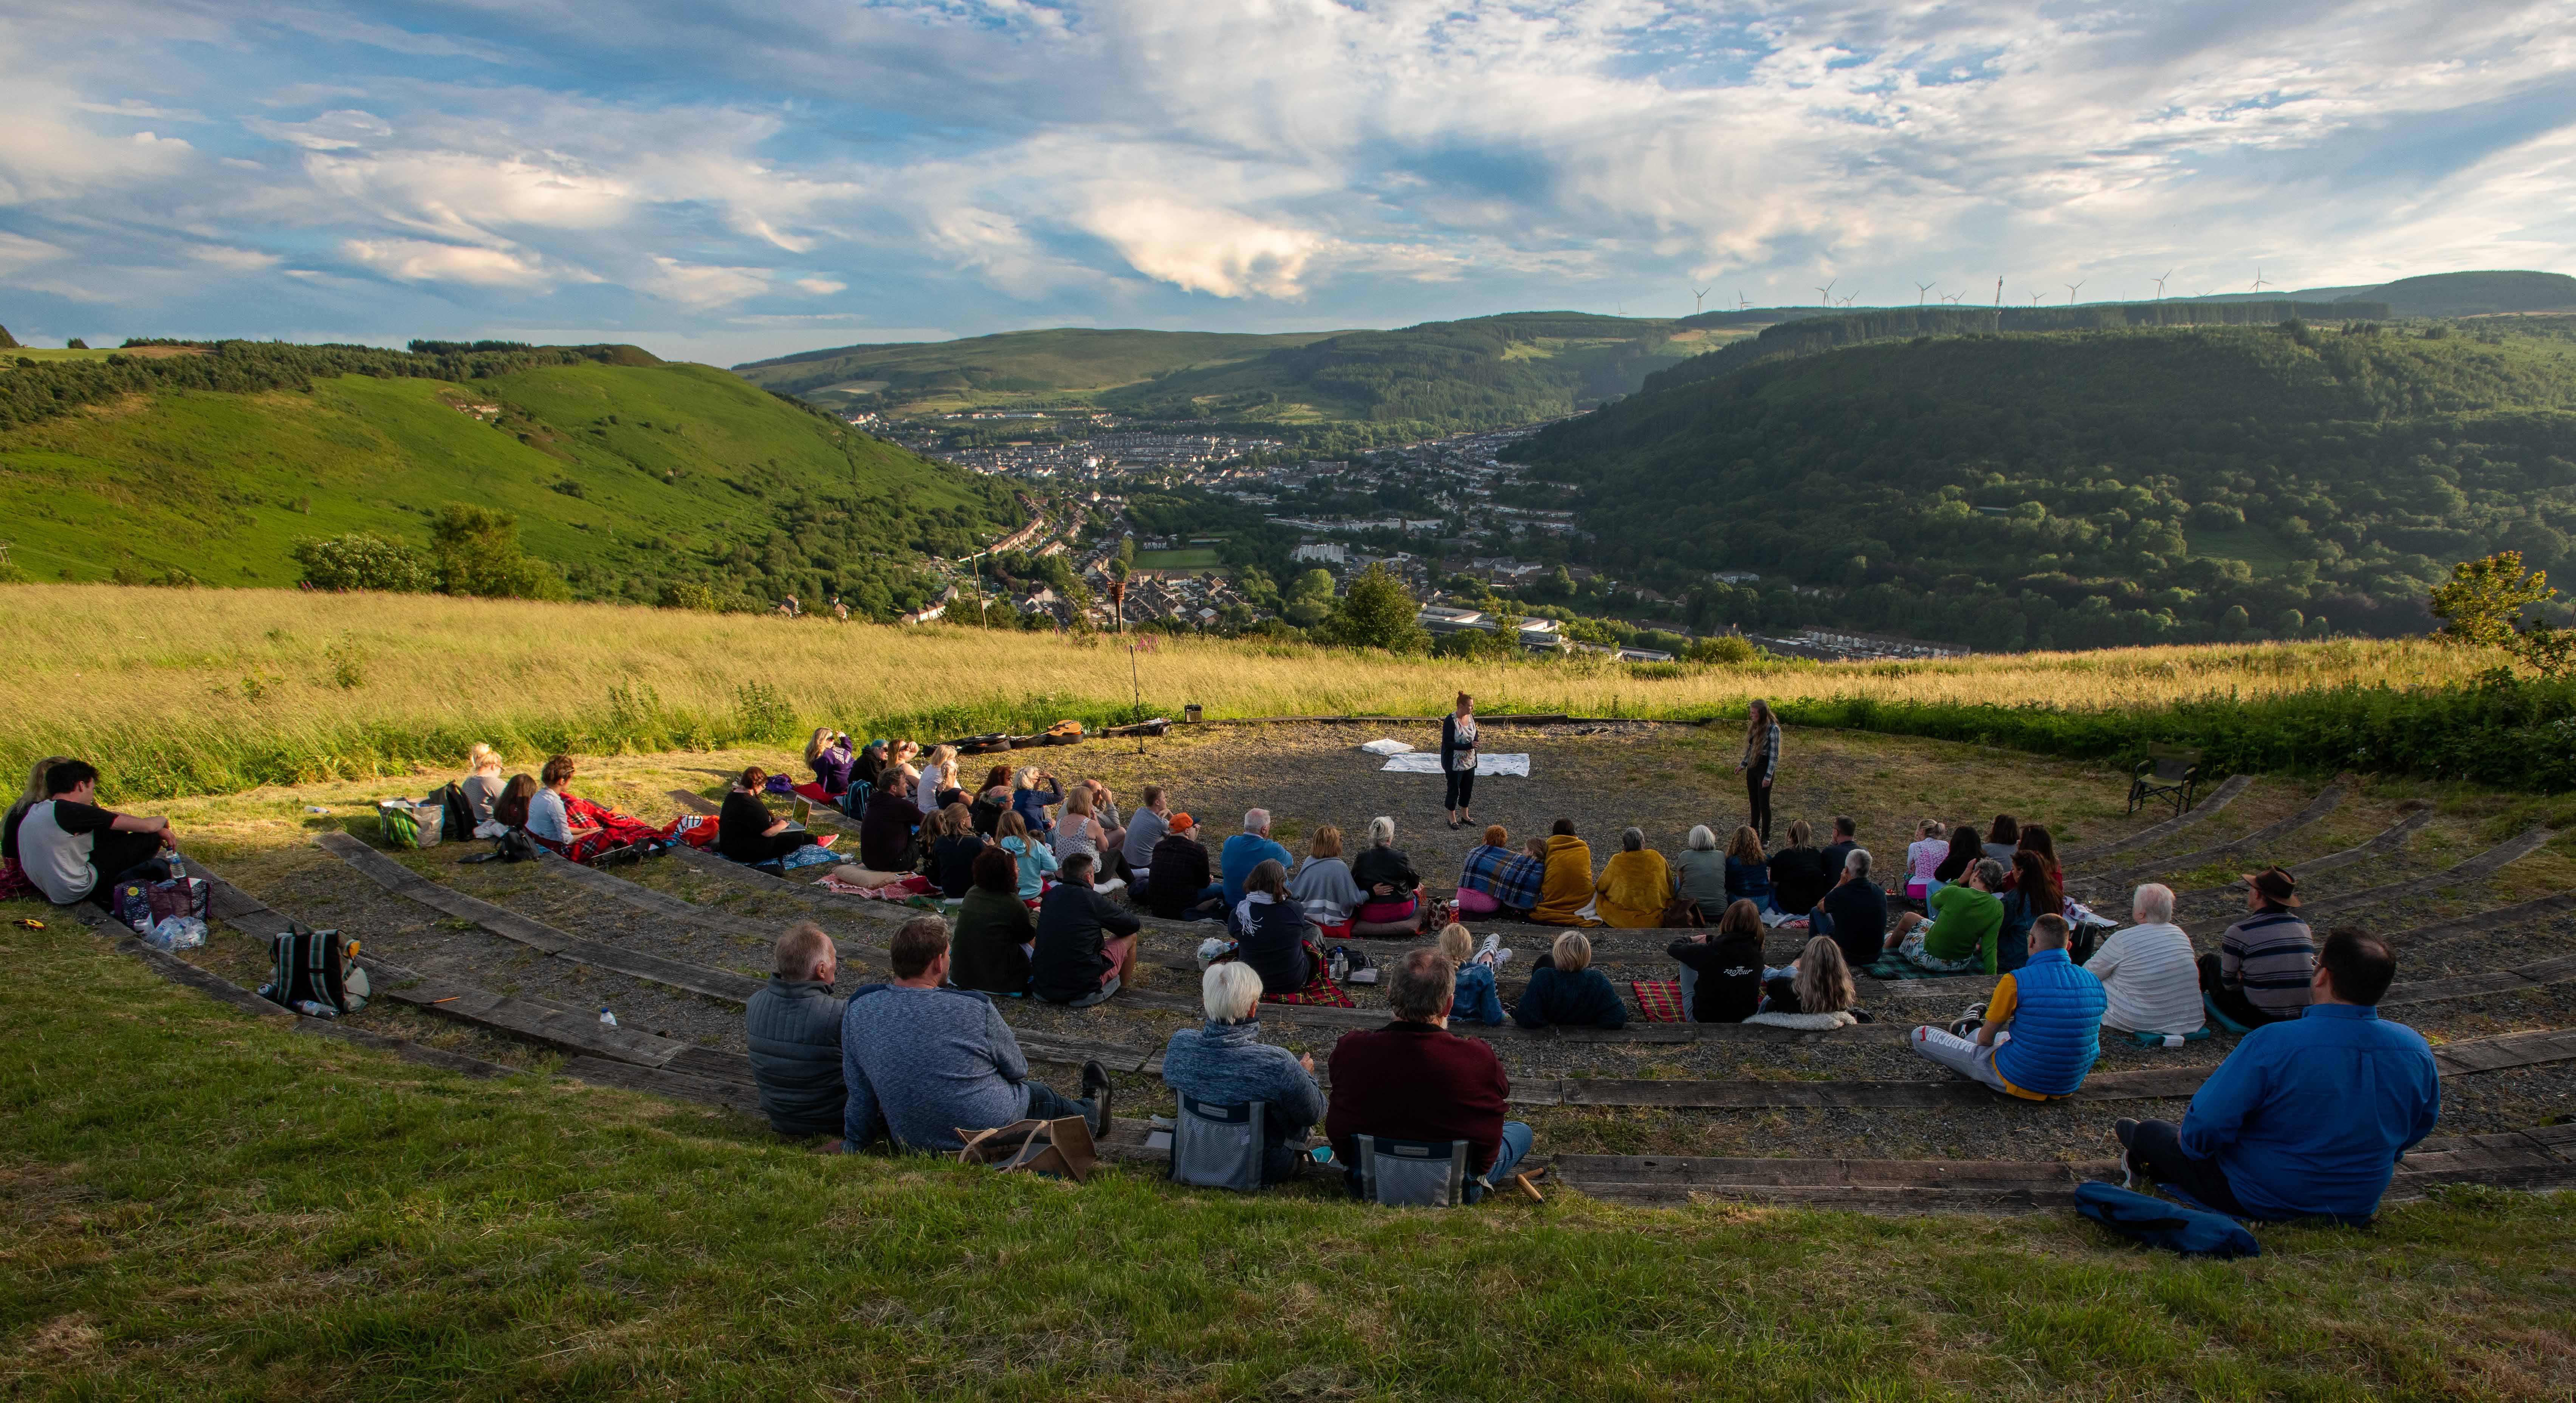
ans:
(2482, 606)
(1728, 648)
(478, 554)
(361, 561)
(1378, 612)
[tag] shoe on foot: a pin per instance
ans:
(1095, 1089)
(2126, 1128)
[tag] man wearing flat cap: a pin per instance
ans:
(2265, 963)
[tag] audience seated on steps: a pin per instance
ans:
(2307, 1117)
(1323, 888)
(1036, 864)
(1798, 873)
(2042, 1030)
(1475, 1000)
(2265, 964)
(1814, 992)
(1565, 989)
(1145, 828)
(1243, 852)
(1565, 891)
(995, 931)
(954, 850)
(923, 1062)
(992, 800)
(1854, 913)
(2035, 838)
(1388, 883)
(1031, 802)
(1748, 873)
(1635, 885)
(1414, 1080)
(1227, 1064)
(792, 1027)
(1078, 830)
(2150, 982)
(1179, 886)
(1923, 857)
(1699, 872)
(2029, 891)
(2003, 838)
(935, 788)
(1270, 932)
(1497, 881)
(1962, 936)
(1839, 851)
(1722, 968)
(885, 830)
(1086, 943)
(482, 783)
(70, 848)
(1113, 831)
(747, 832)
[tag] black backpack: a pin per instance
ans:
(455, 816)
(316, 967)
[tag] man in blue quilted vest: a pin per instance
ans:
(2043, 1027)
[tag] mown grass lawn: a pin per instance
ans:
(203, 1204)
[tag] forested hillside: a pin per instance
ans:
(2083, 489)
(624, 475)
(1060, 364)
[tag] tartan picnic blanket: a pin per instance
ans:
(1660, 1000)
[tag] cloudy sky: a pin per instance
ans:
(726, 179)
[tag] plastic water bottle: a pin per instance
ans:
(178, 868)
(606, 1018)
(310, 1009)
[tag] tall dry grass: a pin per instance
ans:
(195, 691)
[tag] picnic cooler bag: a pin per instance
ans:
(409, 824)
(141, 905)
(1061, 1147)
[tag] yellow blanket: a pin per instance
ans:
(1634, 890)
(1567, 887)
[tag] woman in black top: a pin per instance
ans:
(746, 831)
(1965, 850)
(1458, 759)
(1855, 913)
(994, 929)
(1722, 968)
(1386, 876)
(952, 857)
(1270, 931)
(1798, 875)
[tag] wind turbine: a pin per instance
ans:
(1699, 300)
(1921, 291)
(1999, 289)
(1825, 294)
(1849, 298)
(1742, 301)
(2070, 290)
(1952, 297)
(2259, 284)
(2160, 285)
(2034, 299)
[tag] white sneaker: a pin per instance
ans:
(1493, 942)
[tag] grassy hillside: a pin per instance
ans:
(218, 690)
(2084, 489)
(1056, 364)
(625, 476)
(2475, 294)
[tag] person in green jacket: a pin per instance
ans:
(1967, 919)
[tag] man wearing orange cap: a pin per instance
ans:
(1180, 875)
(2265, 964)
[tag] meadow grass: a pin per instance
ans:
(213, 691)
(203, 1204)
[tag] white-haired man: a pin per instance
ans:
(1247, 850)
(2149, 975)
(1227, 1064)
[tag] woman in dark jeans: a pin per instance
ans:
(1458, 759)
(1761, 763)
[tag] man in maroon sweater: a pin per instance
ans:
(1414, 1080)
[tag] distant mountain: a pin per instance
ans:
(2476, 294)
(1067, 362)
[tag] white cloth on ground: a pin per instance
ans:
(1423, 762)
(1386, 747)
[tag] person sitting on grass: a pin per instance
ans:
(1323, 888)
(580, 830)
(994, 929)
(2042, 1030)
(1078, 831)
(923, 1062)
(1854, 913)
(793, 1028)
(1965, 853)
(1699, 872)
(1031, 802)
(1035, 862)
(1564, 988)
(1178, 890)
(2003, 838)
(2265, 965)
(518, 796)
(482, 783)
(1635, 885)
(1476, 999)
(1497, 881)
(1814, 992)
(1145, 828)
(1565, 891)
(1243, 852)
(70, 848)
(2307, 1117)
(1965, 930)
(885, 831)
(1411, 1080)
(828, 755)
(1391, 906)
(935, 787)
(1748, 873)
(1086, 946)
(2150, 982)
(747, 832)
(13, 874)
(992, 800)
(2035, 838)
(1923, 857)
(1271, 934)
(1113, 832)
(1227, 1064)
(1721, 979)
(953, 852)
(1839, 851)
(2028, 893)
(1799, 877)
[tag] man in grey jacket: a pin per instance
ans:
(794, 1029)
(923, 1062)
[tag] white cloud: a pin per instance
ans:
(702, 285)
(822, 287)
(240, 260)
(344, 130)
(18, 251)
(1199, 248)
(418, 260)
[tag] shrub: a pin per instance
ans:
(362, 561)
(1729, 648)
(686, 594)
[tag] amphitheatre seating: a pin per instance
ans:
(2325, 802)
(2219, 798)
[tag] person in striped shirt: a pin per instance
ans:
(2265, 964)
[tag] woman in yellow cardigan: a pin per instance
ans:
(1635, 886)
(1565, 893)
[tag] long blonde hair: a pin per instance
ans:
(942, 763)
(822, 741)
(1824, 982)
(1457, 942)
(37, 785)
(480, 757)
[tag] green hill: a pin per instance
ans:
(2079, 489)
(626, 473)
(2475, 294)
(1061, 363)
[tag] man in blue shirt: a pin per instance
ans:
(2307, 1117)
(1243, 852)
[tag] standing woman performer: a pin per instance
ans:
(1760, 764)
(1458, 759)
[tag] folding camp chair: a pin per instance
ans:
(2169, 773)
(1218, 1147)
(1412, 1173)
